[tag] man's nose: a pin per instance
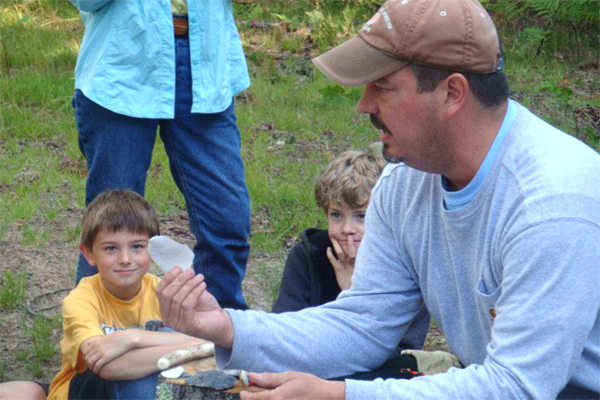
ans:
(366, 104)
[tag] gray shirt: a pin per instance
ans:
(512, 279)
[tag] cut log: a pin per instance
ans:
(178, 389)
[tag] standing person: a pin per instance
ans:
(174, 66)
(487, 215)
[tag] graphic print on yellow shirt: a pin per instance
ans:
(90, 310)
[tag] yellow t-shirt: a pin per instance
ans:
(90, 310)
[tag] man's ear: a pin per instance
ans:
(456, 90)
(87, 254)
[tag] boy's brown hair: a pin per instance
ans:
(115, 210)
(349, 179)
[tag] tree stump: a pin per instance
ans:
(179, 389)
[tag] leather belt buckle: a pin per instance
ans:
(180, 25)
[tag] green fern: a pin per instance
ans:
(557, 11)
(553, 17)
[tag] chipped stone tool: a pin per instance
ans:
(213, 379)
(168, 254)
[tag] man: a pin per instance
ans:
(488, 216)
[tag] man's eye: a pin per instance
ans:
(110, 248)
(360, 216)
(335, 215)
(139, 246)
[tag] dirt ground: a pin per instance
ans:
(50, 275)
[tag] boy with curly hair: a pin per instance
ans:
(321, 265)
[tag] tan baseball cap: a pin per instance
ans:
(451, 34)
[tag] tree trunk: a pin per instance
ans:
(178, 389)
(173, 391)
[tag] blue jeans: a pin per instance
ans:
(88, 385)
(206, 164)
(574, 393)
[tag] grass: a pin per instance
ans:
(43, 346)
(12, 290)
(41, 334)
(292, 119)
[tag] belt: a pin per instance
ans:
(180, 24)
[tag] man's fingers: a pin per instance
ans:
(269, 380)
(171, 296)
(167, 279)
(164, 292)
(263, 395)
(180, 299)
(187, 312)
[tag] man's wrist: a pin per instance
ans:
(227, 342)
(336, 390)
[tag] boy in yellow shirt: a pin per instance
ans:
(113, 333)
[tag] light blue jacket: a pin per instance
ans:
(127, 57)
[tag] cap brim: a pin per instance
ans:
(354, 63)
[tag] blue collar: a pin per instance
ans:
(457, 199)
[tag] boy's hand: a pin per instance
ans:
(343, 265)
(187, 307)
(98, 351)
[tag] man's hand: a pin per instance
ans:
(98, 351)
(343, 265)
(294, 386)
(187, 307)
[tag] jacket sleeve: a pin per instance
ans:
(89, 5)
(294, 292)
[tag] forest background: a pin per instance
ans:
(293, 121)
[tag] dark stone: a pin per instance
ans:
(213, 379)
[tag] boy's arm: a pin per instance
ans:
(139, 363)
(97, 351)
(131, 354)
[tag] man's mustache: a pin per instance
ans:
(378, 124)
